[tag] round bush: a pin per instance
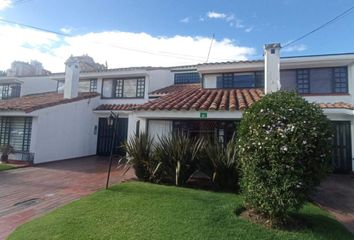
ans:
(284, 148)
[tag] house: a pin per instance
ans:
(200, 100)
(215, 106)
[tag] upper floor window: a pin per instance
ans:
(84, 86)
(8, 91)
(187, 77)
(303, 81)
(241, 80)
(124, 88)
(340, 80)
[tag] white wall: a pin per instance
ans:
(32, 85)
(65, 131)
(209, 80)
(160, 79)
(159, 128)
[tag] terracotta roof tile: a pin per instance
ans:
(193, 97)
(337, 105)
(112, 107)
(172, 88)
(34, 102)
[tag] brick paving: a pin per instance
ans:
(336, 195)
(29, 192)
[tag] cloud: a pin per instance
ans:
(119, 49)
(5, 4)
(185, 20)
(231, 19)
(66, 30)
(295, 48)
(216, 15)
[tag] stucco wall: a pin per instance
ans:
(159, 128)
(65, 131)
(32, 85)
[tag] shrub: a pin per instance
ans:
(284, 150)
(6, 150)
(140, 155)
(177, 154)
(221, 164)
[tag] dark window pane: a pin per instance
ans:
(16, 131)
(340, 75)
(185, 78)
(8, 91)
(303, 81)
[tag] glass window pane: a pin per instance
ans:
(244, 80)
(185, 78)
(84, 86)
(130, 88)
(107, 88)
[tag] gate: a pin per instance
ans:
(105, 134)
(342, 150)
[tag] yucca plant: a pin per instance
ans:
(140, 156)
(223, 161)
(177, 154)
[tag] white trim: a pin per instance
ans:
(189, 114)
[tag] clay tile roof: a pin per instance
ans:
(172, 88)
(122, 107)
(337, 105)
(31, 103)
(196, 98)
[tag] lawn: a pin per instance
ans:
(138, 210)
(4, 167)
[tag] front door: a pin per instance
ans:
(105, 135)
(342, 154)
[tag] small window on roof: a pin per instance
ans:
(187, 77)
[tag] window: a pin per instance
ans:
(8, 91)
(316, 80)
(303, 81)
(340, 80)
(93, 85)
(242, 80)
(84, 86)
(124, 88)
(185, 78)
(16, 131)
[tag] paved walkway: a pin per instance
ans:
(29, 192)
(336, 195)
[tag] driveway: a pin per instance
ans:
(32, 191)
(336, 195)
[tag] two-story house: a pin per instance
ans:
(214, 107)
(200, 100)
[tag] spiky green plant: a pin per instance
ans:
(177, 154)
(223, 162)
(140, 156)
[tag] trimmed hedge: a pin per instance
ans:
(284, 149)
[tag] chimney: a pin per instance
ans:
(272, 67)
(72, 75)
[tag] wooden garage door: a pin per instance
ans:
(342, 154)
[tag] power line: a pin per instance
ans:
(165, 54)
(343, 14)
(211, 44)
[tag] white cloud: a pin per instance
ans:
(66, 30)
(213, 14)
(5, 4)
(249, 29)
(295, 48)
(185, 20)
(119, 49)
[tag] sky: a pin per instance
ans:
(124, 33)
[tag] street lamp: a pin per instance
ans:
(113, 123)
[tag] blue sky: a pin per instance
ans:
(244, 24)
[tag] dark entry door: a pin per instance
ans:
(105, 134)
(342, 154)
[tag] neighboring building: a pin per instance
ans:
(24, 69)
(200, 100)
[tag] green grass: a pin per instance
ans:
(4, 167)
(138, 210)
